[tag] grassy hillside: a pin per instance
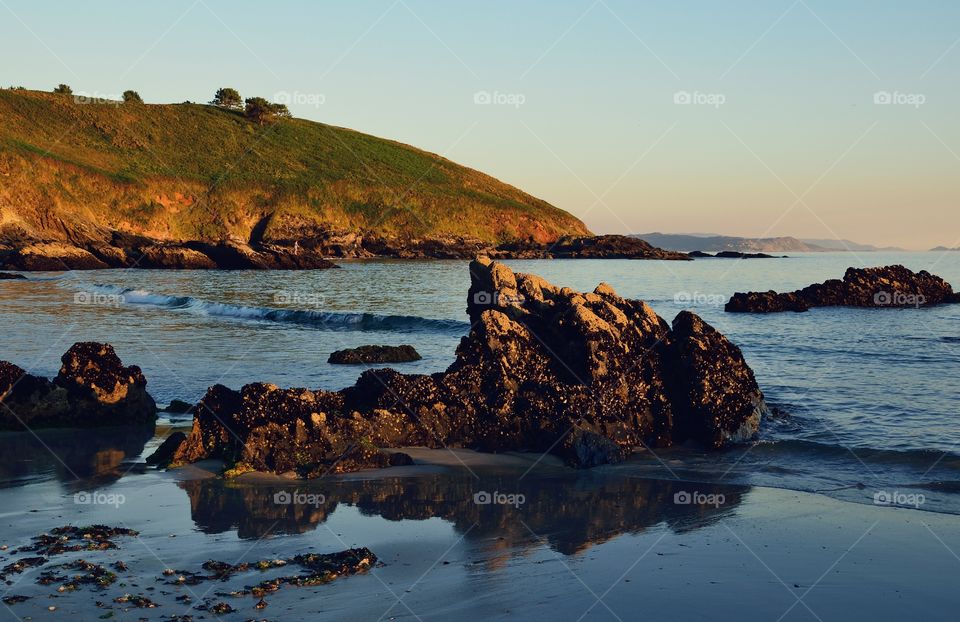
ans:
(73, 170)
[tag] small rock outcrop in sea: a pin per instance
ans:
(739, 255)
(730, 255)
(888, 286)
(589, 377)
(93, 388)
(7, 276)
(375, 354)
(586, 247)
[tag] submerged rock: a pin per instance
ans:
(887, 286)
(375, 354)
(587, 376)
(93, 388)
(178, 407)
(8, 276)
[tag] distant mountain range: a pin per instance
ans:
(714, 243)
(945, 248)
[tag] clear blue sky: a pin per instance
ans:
(782, 135)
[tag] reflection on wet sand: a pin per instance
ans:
(80, 459)
(570, 512)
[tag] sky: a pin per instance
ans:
(810, 118)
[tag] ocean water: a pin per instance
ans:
(866, 399)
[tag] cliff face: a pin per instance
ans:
(79, 172)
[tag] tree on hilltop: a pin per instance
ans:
(262, 111)
(132, 97)
(226, 97)
(63, 89)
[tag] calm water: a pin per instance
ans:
(866, 398)
(866, 406)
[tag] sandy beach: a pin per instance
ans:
(602, 545)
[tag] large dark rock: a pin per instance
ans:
(888, 286)
(7, 276)
(93, 388)
(587, 376)
(365, 355)
(716, 399)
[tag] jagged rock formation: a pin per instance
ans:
(887, 286)
(587, 376)
(93, 388)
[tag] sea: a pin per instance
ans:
(863, 413)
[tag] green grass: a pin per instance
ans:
(237, 172)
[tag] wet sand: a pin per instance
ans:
(598, 545)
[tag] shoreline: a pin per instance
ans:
(782, 544)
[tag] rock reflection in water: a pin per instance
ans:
(80, 459)
(571, 512)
